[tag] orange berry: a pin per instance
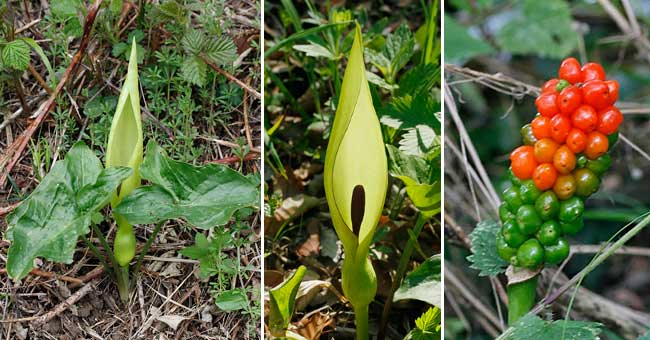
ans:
(544, 176)
(545, 149)
(564, 160)
(597, 145)
(576, 140)
(541, 127)
(522, 161)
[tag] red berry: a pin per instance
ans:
(609, 120)
(569, 100)
(560, 127)
(613, 87)
(585, 118)
(576, 141)
(546, 104)
(522, 161)
(550, 86)
(592, 71)
(570, 70)
(596, 93)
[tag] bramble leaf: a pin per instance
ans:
(484, 249)
(15, 54)
(49, 222)
(204, 196)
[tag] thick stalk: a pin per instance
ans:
(123, 287)
(361, 318)
(521, 299)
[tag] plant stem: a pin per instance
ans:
(107, 247)
(94, 249)
(144, 250)
(401, 270)
(122, 274)
(521, 298)
(361, 320)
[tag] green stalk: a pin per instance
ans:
(122, 276)
(144, 250)
(361, 320)
(521, 298)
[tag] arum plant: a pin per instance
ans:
(125, 149)
(356, 180)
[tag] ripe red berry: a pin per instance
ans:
(592, 71)
(570, 70)
(576, 141)
(585, 118)
(613, 87)
(547, 104)
(560, 127)
(550, 86)
(569, 100)
(609, 119)
(596, 93)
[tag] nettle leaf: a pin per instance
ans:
(419, 140)
(427, 326)
(221, 50)
(484, 249)
(541, 28)
(48, 223)
(419, 80)
(15, 54)
(533, 327)
(282, 302)
(205, 196)
(399, 47)
(410, 111)
(423, 283)
(194, 70)
(460, 44)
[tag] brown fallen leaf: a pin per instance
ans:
(311, 246)
(314, 325)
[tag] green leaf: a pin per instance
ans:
(64, 8)
(426, 197)
(232, 300)
(222, 50)
(402, 164)
(459, 44)
(205, 196)
(399, 48)
(427, 325)
(48, 223)
(419, 80)
(419, 140)
(193, 41)
(533, 327)
(194, 70)
(314, 50)
(408, 112)
(31, 42)
(204, 252)
(15, 54)
(282, 302)
(484, 249)
(116, 6)
(423, 283)
(541, 28)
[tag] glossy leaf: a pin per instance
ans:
(424, 283)
(282, 302)
(48, 223)
(205, 196)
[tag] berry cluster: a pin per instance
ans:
(560, 164)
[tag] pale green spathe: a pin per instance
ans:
(125, 138)
(356, 158)
(125, 149)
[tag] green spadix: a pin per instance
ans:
(356, 179)
(125, 149)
